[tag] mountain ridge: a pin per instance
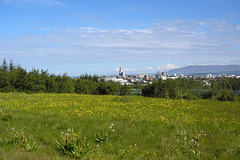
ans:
(204, 69)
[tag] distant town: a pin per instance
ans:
(145, 79)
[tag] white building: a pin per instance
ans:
(119, 80)
(121, 73)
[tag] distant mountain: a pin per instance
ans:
(203, 69)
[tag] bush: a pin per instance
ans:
(188, 96)
(207, 95)
(227, 96)
(125, 90)
(72, 144)
(19, 138)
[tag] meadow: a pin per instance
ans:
(71, 126)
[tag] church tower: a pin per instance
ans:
(121, 73)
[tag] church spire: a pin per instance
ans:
(121, 73)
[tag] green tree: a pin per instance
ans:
(159, 88)
(64, 84)
(36, 81)
(82, 86)
(225, 84)
(11, 66)
(3, 81)
(227, 96)
(19, 79)
(125, 90)
(51, 85)
(171, 88)
(4, 66)
(102, 87)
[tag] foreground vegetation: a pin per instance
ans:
(66, 126)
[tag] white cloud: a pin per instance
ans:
(169, 42)
(129, 69)
(171, 66)
(224, 27)
(148, 68)
(165, 35)
(232, 15)
(167, 67)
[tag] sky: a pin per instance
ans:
(97, 36)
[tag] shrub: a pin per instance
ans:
(125, 90)
(101, 137)
(188, 96)
(73, 144)
(207, 94)
(21, 139)
(227, 96)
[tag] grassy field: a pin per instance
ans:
(62, 126)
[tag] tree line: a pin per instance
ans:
(16, 79)
(225, 89)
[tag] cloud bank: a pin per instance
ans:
(171, 43)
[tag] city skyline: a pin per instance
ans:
(96, 37)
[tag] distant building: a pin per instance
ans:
(121, 73)
(146, 77)
(162, 76)
(141, 75)
(157, 76)
(119, 80)
(209, 76)
(182, 76)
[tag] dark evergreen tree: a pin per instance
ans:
(51, 84)
(64, 84)
(36, 81)
(102, 87)
(20, 79)
(170, 88)
(3, 81)
(4, 66)
(11, 66)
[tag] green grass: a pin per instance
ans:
(136, 127)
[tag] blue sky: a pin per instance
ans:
(97, 36)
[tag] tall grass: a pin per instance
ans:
(108, 127)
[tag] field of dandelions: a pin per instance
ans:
(73, 126)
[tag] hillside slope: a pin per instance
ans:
(194, 69)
